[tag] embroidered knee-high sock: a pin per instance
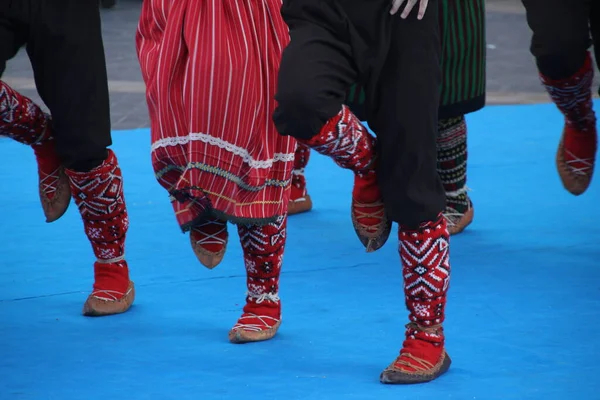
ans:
(99, 197)
(577, 152)
(452, 161)
(301, 158)
(263, 248)
(300, 200)
(22, 120)
(424, 253)
(349, 144)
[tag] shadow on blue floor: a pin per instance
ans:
(523, 313)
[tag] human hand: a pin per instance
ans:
(410, 4)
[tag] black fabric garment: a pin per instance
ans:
(561, 34)
(63, 40)
(336, 43)
(595, 30)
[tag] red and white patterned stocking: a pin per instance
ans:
(345, 140)
(301, 158)
(263, 255)
(573, 97)
(99, 197)
(22, 120)
(424, 253)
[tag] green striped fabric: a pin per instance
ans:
(463, 50)
(462, 27)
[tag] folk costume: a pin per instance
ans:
(211, 70)
(462, 31)
(333, 45)
(64, 44)
(563, 32)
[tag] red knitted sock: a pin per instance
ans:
(99, 197)
(573, 97)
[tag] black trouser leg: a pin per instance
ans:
(561, 35)
(315, 72)
(595, 30)
(67, 54)
(405, 118)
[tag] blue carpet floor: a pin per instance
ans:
(522, 321)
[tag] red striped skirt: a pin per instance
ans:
(210, 68)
